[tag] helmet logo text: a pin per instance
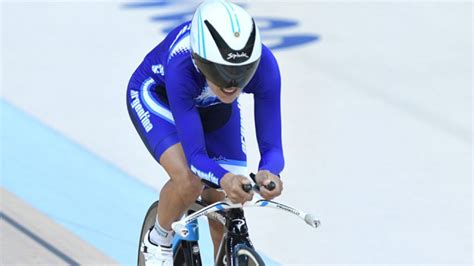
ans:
(237, 55)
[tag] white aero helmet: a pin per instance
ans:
(225, 43)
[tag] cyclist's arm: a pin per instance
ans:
(180, 87)
(268, 114)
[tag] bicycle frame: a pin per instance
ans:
(236, 235)
(232, 216)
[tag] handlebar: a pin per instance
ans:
(180, 226)
(247, 187)
(213, 209)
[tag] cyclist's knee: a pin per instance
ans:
(189, 185)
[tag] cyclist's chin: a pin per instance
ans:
(228, 98)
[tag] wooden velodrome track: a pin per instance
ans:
(28, 237)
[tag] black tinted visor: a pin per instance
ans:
(226, 76)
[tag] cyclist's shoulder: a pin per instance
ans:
(178, 46)
(268, 61)
(179, 43)
(266, 74)
(174, 53)
(175, 43)
(268, 67)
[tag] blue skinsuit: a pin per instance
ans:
(169, 102)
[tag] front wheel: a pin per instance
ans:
(246, 256)
(148, 222)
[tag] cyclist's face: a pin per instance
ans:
(225, 95)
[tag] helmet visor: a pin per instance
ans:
(226, 76)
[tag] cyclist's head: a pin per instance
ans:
(225, 43)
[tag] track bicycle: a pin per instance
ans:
(236, 247)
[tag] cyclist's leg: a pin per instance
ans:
(226, 145)
(210, 195)
(180, 191)
(155, 125)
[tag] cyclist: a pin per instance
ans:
(183, 101)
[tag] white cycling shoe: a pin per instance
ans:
(156, 255)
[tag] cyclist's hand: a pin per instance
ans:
(263, 178)
(232, 185)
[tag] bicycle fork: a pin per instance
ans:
(188, 246)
